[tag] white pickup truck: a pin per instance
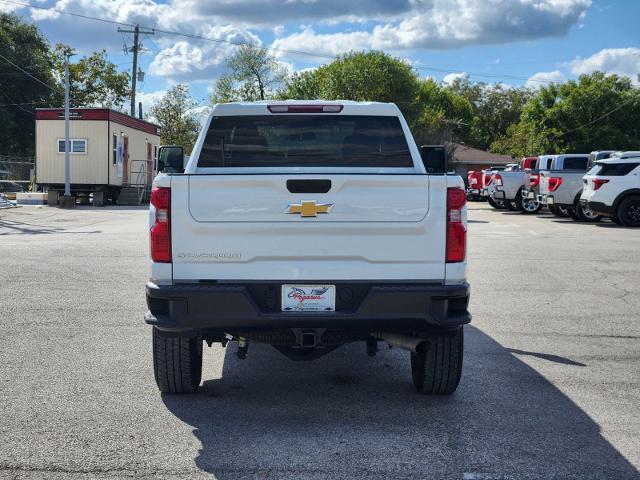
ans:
(561, 186)
(306, 226)
(510, 186)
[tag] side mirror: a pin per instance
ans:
(171, 159)
(434, 158)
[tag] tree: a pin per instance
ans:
(22, 45)
(360, 76)
(494, 109)
(445, 116)
(93, 81)
(254, 75)
(304, 85)
(175, 113)
(434, 114)
(597, 111)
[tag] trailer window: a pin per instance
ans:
(305, 141)
(76, 145)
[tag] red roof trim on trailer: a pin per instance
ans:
(98, 114)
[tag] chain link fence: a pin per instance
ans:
(16, 173)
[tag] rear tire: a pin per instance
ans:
(497, 204)
(587, 215)
(177, 362)
(558, 211)
(527, 205)
(629, 211)
(436, 370)
(512, 205)
(616, 220)
(573, 214)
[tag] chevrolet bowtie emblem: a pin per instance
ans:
(309, 208)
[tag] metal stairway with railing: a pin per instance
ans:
(139, 191)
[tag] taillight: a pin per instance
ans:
(160, 234)
(534, 180)
(554, 183)
(598, 182)
(487, 179)
(297, 108)
(498, 180)
(456, 230)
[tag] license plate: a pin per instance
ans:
(308, 298)
(550, 201)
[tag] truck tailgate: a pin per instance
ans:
(375, 227)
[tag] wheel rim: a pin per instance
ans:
(530, 205)
(563, 210)
(633, 212)
(589, 214)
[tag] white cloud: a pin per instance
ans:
(260, 12)
(452, 77)
(381, 24)
(622, 61)
(149, 99)
(541, 79)
(278, 31)
(184, 61)
(323, 44)
(451, 24)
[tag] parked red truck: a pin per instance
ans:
(474, 185)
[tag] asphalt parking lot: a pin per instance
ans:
(550, 389)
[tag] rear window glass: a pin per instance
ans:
(616, 169)
(305, 141)
(575, 163)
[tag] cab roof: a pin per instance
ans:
(629, 159)
(262, 107)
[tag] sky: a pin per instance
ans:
(515, 42)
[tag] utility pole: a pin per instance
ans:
(135, 49)
(67, 176)
(67, 200)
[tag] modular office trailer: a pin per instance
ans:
(109, 150)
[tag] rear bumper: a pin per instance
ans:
(255, 306)
(499, 195)
(598, 207)
(550, 200)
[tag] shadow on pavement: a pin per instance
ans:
(10, 227)
(350, 416)
(547, 356)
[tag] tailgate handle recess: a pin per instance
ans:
(308, 186)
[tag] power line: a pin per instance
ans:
(27, 73)
(600, 117)
(292, 52)
(231, 42)
(16, 104)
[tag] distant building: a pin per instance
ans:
(109, 150)
(466, 158)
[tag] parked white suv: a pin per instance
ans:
(307, 225)
(612, 188)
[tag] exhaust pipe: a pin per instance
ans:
(399, 340)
